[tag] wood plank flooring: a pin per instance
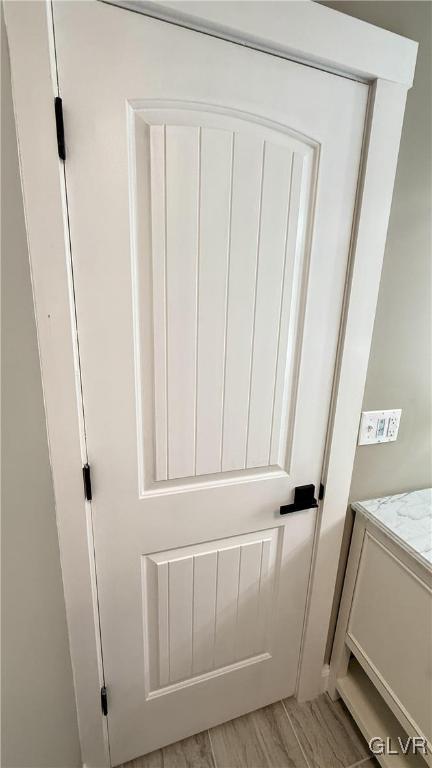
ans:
(317, 734)
(194, 752)
(262, 738)
(327, 733)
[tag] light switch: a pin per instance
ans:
(379, 426)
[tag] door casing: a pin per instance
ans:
(383, 60)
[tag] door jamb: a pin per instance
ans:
(29, 31)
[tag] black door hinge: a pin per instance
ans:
(321, 492)
(104, 701)
(87, 482)
(58, 109)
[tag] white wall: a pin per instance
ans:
(400, 367)
(399, 372)
(39, 726)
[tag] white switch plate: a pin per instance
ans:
(379, 426)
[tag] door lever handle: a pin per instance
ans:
(304, 498)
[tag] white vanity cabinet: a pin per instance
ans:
(382, 655)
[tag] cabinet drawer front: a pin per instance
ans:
(390, 623)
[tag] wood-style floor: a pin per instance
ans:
(318, 734)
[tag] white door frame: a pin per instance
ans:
(303, 31)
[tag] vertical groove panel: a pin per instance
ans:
(247, 614)
(226, 606)
(215, 194)
(163, 623)
(182, 185)
(225, 226)
(207, 606)
(226, 298)
(287, 329)
(246, 195)
(197, 295)
(255, 297)
(158, 221)
(180, 618)
(265, 583)
(205, 567)
(274, 215)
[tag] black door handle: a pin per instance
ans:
(304, 498)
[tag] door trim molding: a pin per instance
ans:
(389, 66)
(373, 204)
(305, 32)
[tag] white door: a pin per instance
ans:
(210, 192)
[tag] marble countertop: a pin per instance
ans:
(407, 517)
